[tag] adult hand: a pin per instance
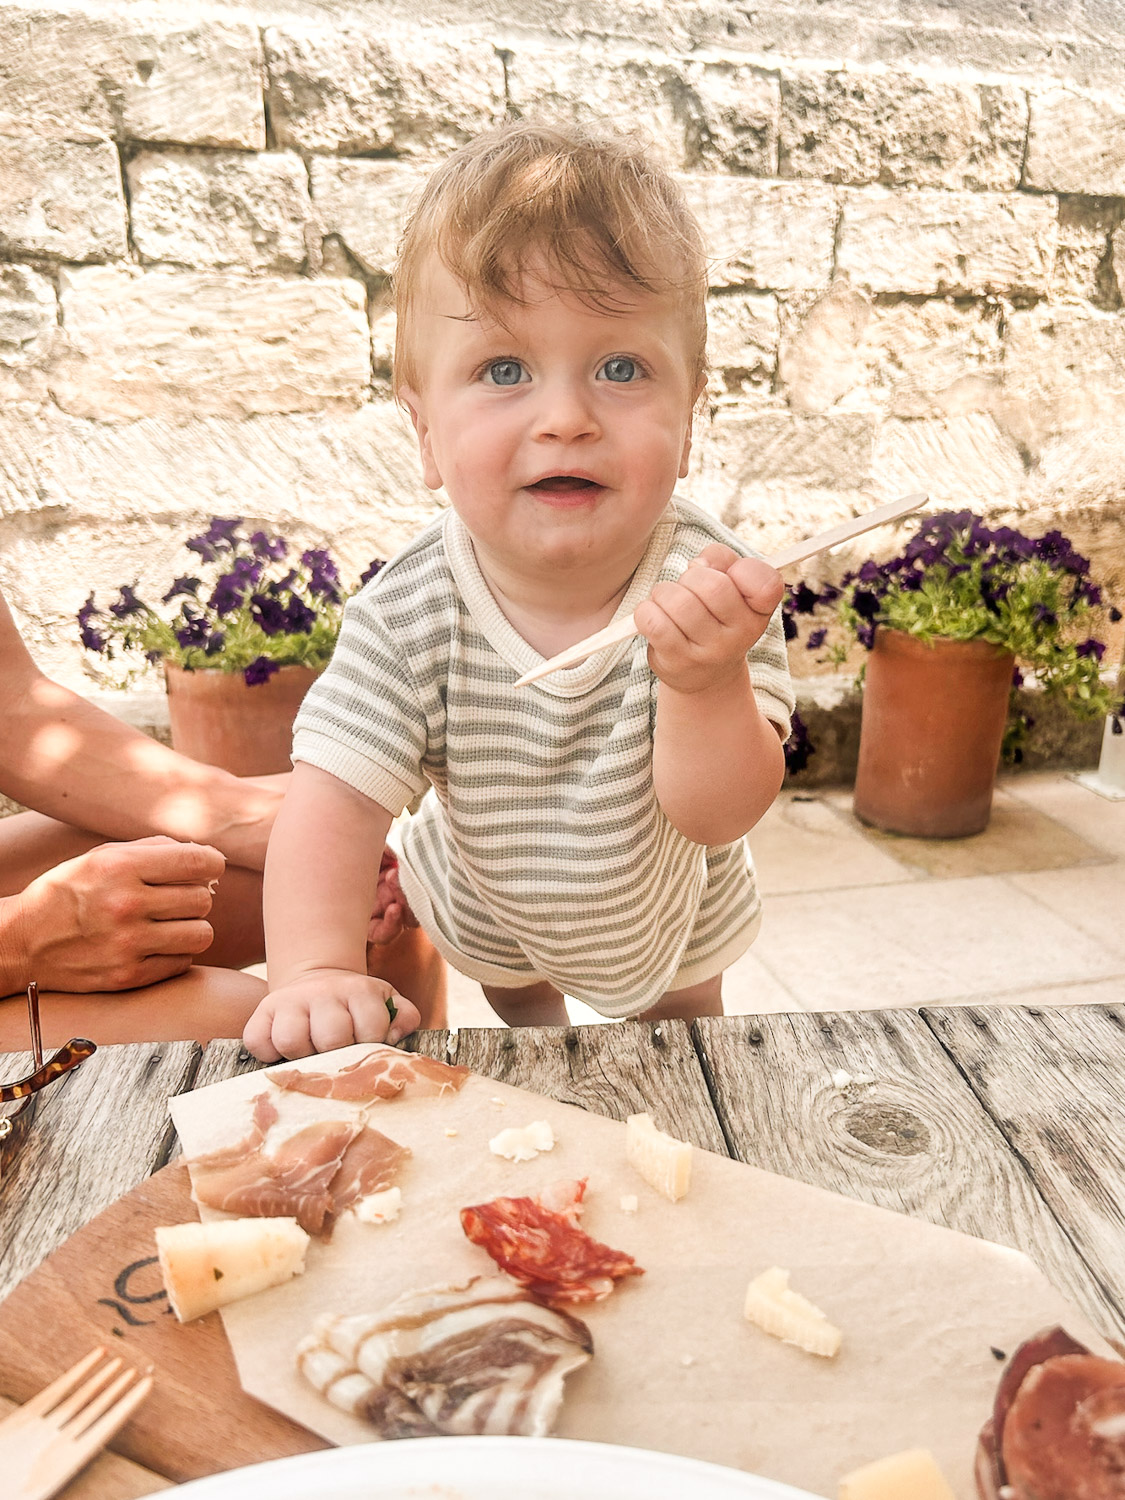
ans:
(120, 916)
(700, 628)
(324, 1009)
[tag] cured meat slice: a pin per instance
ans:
(482, 1358)
(544, 1250)
(383, 1073)
(312, 1176)
(1058, 1426)
(1065, 1434)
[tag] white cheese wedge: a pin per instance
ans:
(379, 1208)
(914, 1473)
(663, 1161)
(521, 1143)
(205, 1266)
(788, 1316)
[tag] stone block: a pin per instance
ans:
(409, 90)
(733, 110)
(901, 130)
(907, 359)
(960, 462)
(1076, 142)
(767, 236)
(87, 75)
(742, 336)
(28, 316)
(1083, 269)
(225, 209)
(61, 199)
(365, 204)
(1116, 262)
(196, 343)
(383, 324)
(779, 472)
(933, 242)
(1063, 372)
(599, 87)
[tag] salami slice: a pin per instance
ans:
(544, 1250)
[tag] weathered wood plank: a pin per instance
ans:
(614, 1070)
(868, 1104)
(94, 1135)
(1054, 1083)
(224, 1059)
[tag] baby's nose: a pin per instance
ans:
(565, 412)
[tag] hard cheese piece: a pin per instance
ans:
(205, 1266)
(912, 1474)
(521, 1144)
(788, 1316)
(662, 1161)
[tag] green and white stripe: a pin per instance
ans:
(540, 851)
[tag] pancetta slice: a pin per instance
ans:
(544, 1249)
(482, 1358)
(383, 1073)
(313, 1175)
(1058, 1427)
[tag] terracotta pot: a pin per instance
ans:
(933, 722)
(216, 718)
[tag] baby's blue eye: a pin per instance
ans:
(620, 370)
(505, 372)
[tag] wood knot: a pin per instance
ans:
(888, 1128)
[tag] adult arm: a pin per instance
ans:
(320, 884)
(718, 761)
(63, 756)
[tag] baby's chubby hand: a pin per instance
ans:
(700, 628)
(325, 1009)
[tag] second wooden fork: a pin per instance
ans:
(44, 1442)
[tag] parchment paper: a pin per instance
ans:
(676, 1366)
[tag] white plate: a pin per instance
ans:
(487, 1468)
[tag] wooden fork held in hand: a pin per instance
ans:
(47, 1440)
(796, 552)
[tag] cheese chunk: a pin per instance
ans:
(788, 1316)
(205, 1266)
(663, 1161)
(912, 1474)
(521, 1143)
(379, 1208)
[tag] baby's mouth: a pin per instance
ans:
(565, 484)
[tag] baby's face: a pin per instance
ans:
(558, 436)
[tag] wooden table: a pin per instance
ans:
(1007, 1123)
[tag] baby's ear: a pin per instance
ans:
(411, 399)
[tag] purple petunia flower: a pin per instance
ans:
(269, 612)
(816, 639)
(376, 565)
(324, 576)
(227, 594)
(789, 625)
(126, 604)
(268, 548)
(1090, 647)
(299, 618)
(261, 669)
(183, 588)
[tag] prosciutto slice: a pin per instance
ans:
(1058, 1428)
(482, 1358)
(383, 1073)
(313, 1176)
(539, 1244)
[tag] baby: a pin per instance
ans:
(582, 835)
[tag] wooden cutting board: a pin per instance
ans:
(104, 1287)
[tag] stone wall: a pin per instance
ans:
(915, 208)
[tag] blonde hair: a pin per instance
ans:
(603, 216)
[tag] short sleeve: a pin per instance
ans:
(362, 721)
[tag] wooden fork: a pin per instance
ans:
(47, 1440)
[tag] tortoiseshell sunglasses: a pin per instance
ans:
(68, 1056)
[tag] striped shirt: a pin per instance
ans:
(540, 851)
